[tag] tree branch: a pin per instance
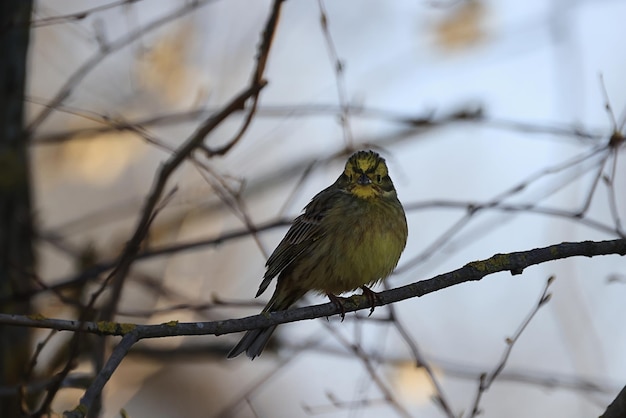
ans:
(103, 376)
(617, 408)
(118, 275)
(514, 262)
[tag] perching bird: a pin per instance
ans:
(350, 236)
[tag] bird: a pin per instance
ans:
(349, 236)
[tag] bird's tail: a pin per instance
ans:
(255, 340)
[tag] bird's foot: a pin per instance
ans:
(372, 297)
(338, 301)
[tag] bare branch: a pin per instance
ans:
(100, 55)
(486, 380)
(617, 408)
(514, 262)
(420, 361)
(184, 151)
(103, 376)
(368, 363)
(83, 14)
(339, 67)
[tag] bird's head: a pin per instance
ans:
(366, 176)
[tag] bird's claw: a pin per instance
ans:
(338, 303)
(372, 297)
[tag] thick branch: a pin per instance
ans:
(617, 408)
(514, 262)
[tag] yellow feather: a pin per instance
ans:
(350, 235)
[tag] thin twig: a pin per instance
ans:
(95, 389)
(83, 14)
(498, 199)
(72, 81)
(468, 115)
(389, 397)
(94, 271)
(232, 408)
(486, 380)
(339, 76)
(420, 361)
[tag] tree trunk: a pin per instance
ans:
(16, 229)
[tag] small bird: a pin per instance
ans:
(350, 236)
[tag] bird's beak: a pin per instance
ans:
(363, 180)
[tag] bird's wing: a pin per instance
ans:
(306, 229)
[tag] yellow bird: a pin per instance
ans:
(350, 236)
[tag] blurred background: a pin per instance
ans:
(495, 118)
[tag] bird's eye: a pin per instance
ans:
(378, 178)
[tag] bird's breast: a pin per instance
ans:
(370, 241)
